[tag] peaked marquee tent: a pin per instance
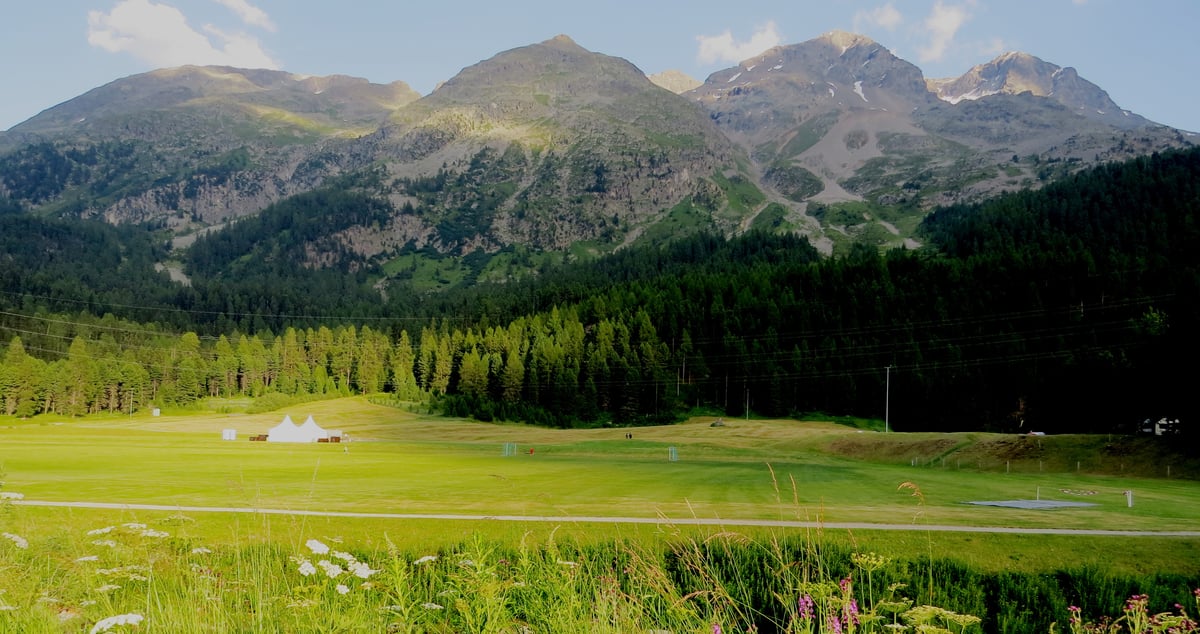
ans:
(287, 431)
(311, 431)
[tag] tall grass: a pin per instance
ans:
(101, 578)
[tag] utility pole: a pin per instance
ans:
(887, 399)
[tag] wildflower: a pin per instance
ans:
(134, 526)
(9, 495)
(361, 570)
(806, 606)
(569, 564)
(307, 569)
(716, 629)
(467, 563)
(850, 612)
(342, 589)
(1074, 610)
(150, 532)
(346, 557)
(200, 550)
(844, 584)
(101, 531)
(104, 625)
(432, 558)
(87, 603)
(108, 587)
(331, 569)
(105, 542)
(431, 606)
(835, 625)
(89, 558)
(7, 608)
(316, 547)
(17, 540)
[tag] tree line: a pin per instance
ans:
(1066, 309)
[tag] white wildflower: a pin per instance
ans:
(10, 495)
(200, 550)
(307, 569)
(361, 570)
(134, 526)
(136, 577)
(16, 540)
(87, 603)
(347, 557)
(101, 531)
(342, 589)
(431, 606)
(331, 569)
(105, 542)
(467, 563)
(569, 564)
(89, 558)
(150, 532)
(7, 608)
(425, 560)
(104, 625)
(108, 587)
(316, 547)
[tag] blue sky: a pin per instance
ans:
(1143, 53)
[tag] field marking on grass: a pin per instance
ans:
(687, 521)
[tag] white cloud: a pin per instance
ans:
(159, 34)
(941, 26)
(723, 48)
(884, 17)
(249, 14)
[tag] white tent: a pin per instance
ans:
(311, 431)
(287, 431)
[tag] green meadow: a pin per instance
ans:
(812, 477)
(400, 462)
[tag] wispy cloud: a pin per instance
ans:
(249, 14)
(723, 48)
(941, 26)
(885, 17)
(159, 34)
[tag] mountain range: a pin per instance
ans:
(552, 147)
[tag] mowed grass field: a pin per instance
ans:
(401, 462)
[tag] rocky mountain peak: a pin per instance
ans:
(563, 41)
(676, 81)
(845, 41)
(1016, 73)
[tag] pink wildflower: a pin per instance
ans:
(835, 626)
(850, 612)
(806, 606)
